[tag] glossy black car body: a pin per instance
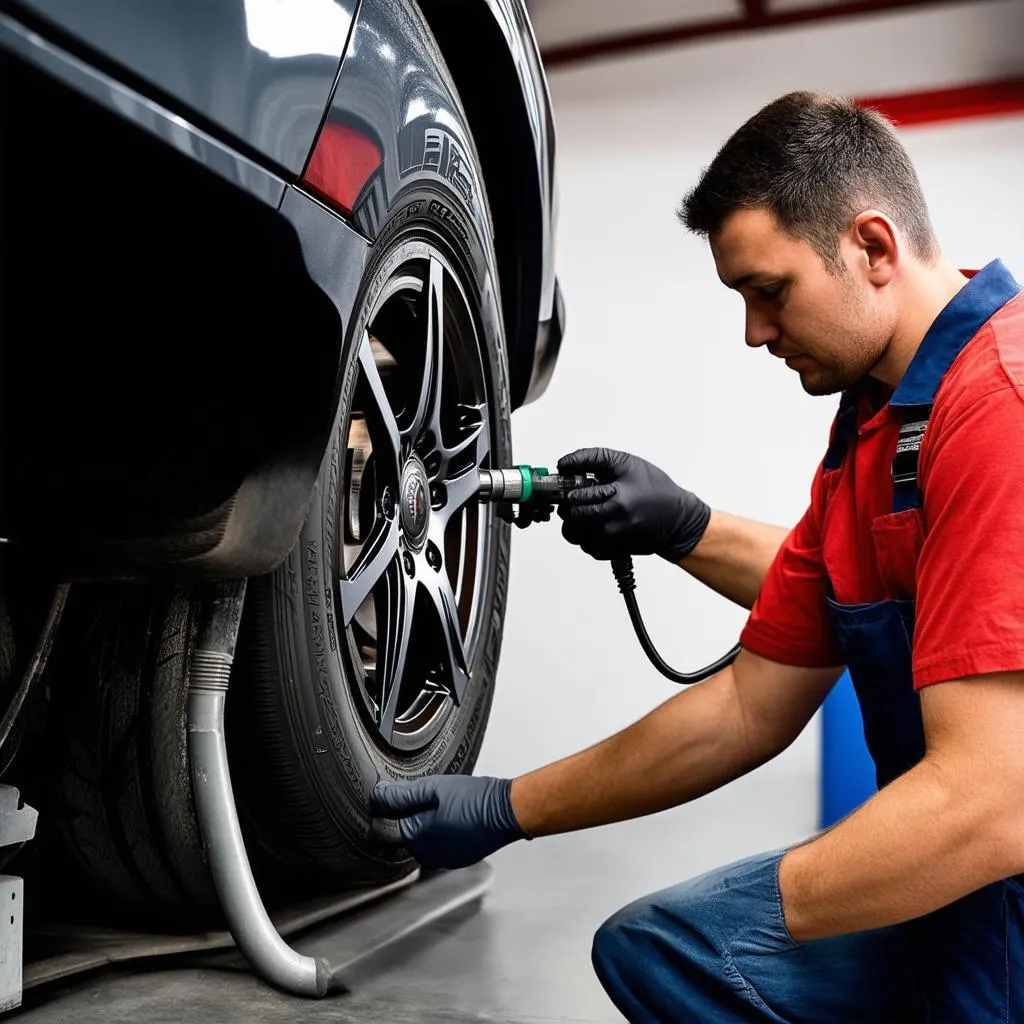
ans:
(169, 388)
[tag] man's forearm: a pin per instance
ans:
(923, 841)
(733, 556)
(688, 746)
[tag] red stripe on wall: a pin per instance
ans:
(986, 99)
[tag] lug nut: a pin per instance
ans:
(387, 503)
(410, 565)
(433, 556)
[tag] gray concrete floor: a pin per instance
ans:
(523, 957)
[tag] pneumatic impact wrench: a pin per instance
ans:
(535, 486)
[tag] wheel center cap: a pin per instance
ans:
(415, 510)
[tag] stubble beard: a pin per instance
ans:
(859, 350)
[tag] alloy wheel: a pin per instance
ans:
(410, 587)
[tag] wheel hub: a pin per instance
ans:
(415, 503)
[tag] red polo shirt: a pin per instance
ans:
(961, 556)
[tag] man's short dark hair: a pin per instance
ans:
(814, 161)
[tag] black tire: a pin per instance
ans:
(308, 750)
(120, 802)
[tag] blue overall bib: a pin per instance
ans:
(717, 948)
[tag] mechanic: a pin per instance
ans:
(908, 909)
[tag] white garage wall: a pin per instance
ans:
(654, 360)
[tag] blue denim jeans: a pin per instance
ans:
(717, 949)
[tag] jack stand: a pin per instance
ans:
(247, 918)
(17, 826)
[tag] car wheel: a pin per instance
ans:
(371, 652)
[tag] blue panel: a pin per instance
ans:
(847, 771)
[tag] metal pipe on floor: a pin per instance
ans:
(247, 919)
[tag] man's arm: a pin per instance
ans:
(950, 825)
(695, 742)
(692, 744)
(733, 556)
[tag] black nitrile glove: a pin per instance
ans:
(634, 509)
(449, 821)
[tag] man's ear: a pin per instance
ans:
(876, 246)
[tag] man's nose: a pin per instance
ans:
(760, 329)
